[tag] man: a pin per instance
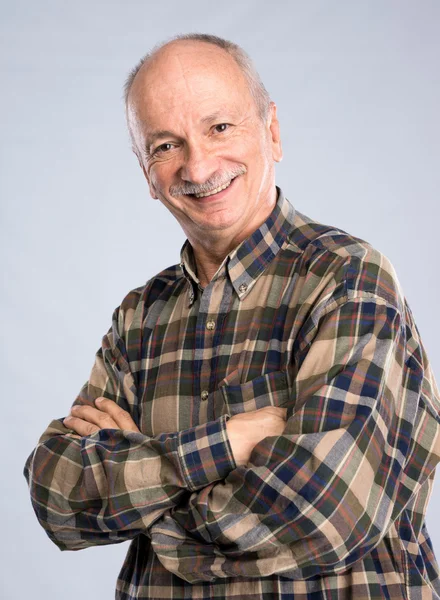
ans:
(261, 419)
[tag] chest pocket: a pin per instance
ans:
(266, 390)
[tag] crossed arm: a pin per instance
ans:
(313, 497)
(244, 431)
(96, 479)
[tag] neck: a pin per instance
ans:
(209, 259)
(211, 248)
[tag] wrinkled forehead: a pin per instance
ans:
(186, 77)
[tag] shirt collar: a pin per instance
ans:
(251, 257)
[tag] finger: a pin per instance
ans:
(117, 414)
(94, 416)
(80, 426)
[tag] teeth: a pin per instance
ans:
(216, 191)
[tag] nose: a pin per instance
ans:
(199, 164)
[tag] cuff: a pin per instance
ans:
(205, 453)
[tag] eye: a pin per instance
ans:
(163, 148)
(221, 127)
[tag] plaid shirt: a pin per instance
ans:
(299, 315)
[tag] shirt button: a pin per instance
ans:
(210, 325)
(242, 288)
(205, 395)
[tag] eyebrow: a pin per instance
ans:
(154, 135)
(213, 117)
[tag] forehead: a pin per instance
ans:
(188, 80)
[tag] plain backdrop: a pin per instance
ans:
(357, 86)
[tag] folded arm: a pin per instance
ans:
(320, 496)
(110, 485)
(96, 479)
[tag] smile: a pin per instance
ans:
(216, 191)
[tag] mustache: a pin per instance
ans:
(216, 180)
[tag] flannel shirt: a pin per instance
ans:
(300, 315)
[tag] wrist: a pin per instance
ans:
(205, 453)
(239, 441)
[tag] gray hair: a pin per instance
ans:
(243, 60)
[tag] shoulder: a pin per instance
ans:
(139, 300)
(342, 264)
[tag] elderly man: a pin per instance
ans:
(261, 419)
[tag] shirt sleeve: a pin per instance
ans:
(362, 436)
(110, 486)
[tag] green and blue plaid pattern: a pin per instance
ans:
(299, 315)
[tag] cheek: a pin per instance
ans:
(264, 153)
(242, 152)
(157, 177)
(152, 176)
(255, 149)
(162, 174)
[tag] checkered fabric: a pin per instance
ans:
(300, 315)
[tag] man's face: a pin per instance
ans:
(197, 129)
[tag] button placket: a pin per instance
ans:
(203, 342)
(210, 304)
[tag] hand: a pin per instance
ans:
(246, 430)
(85, 420)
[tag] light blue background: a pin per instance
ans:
(358, 92)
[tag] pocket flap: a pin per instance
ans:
(266, 390)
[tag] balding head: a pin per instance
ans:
(240, 57)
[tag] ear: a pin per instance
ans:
(147, 177)
(274, 130)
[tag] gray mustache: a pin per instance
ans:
(215, 181)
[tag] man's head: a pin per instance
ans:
(200, 119)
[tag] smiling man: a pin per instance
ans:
(261, 420)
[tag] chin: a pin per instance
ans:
(219, 222)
